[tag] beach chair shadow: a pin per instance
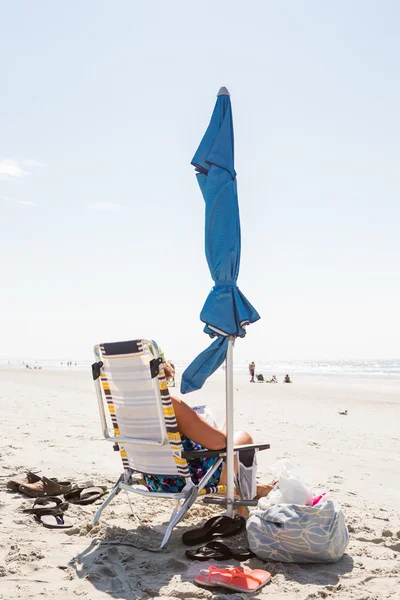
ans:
(137, 416)
(118, 568)
(123, 564)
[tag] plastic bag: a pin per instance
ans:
(292, 488)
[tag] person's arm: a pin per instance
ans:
(194, 427)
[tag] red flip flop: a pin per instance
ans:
(240, 580)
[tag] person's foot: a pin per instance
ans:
(264, 489)
(243, 511)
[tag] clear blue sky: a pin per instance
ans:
(102, 106)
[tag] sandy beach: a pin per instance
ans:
(51, 425)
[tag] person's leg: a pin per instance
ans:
(240, 439)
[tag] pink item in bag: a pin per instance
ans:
(318, 499)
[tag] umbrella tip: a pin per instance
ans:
(223, 92)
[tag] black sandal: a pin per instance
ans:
(221, 526)
(84, 495)
(44, 504)
(53, 519)
(218, 551)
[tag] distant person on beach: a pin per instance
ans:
(252, 369)
(287, 379)
(273, 379)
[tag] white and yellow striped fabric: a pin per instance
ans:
(134, 408)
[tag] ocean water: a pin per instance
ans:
(386, 369)
(358, 368)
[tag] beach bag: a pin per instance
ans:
(298, 533)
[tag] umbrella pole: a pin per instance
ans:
(230, 474)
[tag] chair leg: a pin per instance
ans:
(177, 515)
(114, 492)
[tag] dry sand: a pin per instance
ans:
(50, 424)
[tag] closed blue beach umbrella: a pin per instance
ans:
(226, 311)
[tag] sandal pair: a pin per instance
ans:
(240, 580)
(30, 478)
(40, 486)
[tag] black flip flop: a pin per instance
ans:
(85, 495)
(221, 526)
(48, 503)
(218, 551)
(53, 519)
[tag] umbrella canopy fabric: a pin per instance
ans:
(226, 311)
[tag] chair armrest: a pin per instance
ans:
(222, 453)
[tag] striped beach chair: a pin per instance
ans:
(137, 416)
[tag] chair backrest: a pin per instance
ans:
(130, 380)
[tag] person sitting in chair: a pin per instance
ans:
(198, 434)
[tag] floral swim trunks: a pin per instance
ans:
(198, 467)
